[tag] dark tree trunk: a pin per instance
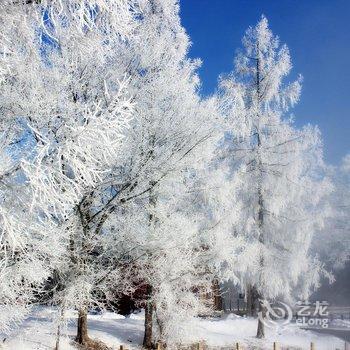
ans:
(58, 337)
(147, 339)
(249, 301)
(217, 295)
(252, 301)
(82, 331)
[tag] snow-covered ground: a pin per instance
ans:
(38, 332)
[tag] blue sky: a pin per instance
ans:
(317, 33)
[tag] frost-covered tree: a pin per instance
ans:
(25, 238)
(170, 124)
(24, 241)
(73, 110)
(84, 178)
(276, 171)
(109, 16)
(165, 260)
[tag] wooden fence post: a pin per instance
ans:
(275, 346)
(237, 346)
(121, 347)
(312, 346)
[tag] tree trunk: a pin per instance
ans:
(217, 295)
(58, 337)
(161, 339)
(59, 327)
(82, 331)
(252, 301)
(147, 339)
(261, 326)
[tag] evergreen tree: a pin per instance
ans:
(277, 169)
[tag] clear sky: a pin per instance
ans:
(317, 33)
